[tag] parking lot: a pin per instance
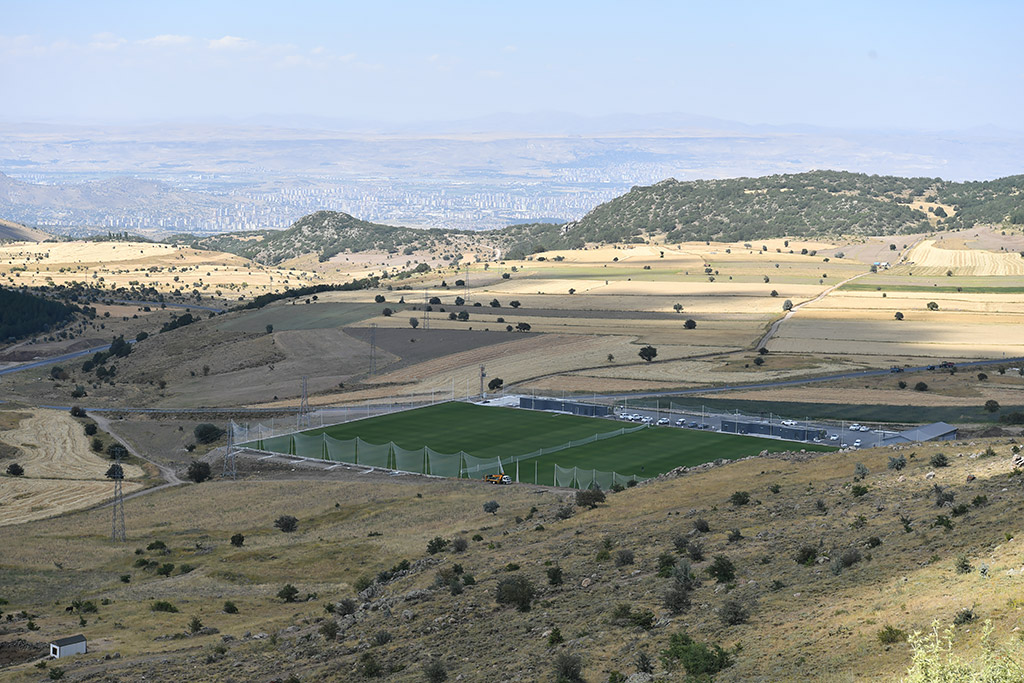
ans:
(841, 435)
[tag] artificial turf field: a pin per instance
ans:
(493, 432)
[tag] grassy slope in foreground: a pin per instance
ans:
(487, 431)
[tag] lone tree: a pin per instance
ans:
(523, 327)
(495, 384)
(286, 523)
(514, 304)
(15, 470)
(238, 540)
(678, 308)
(920, 386)
(648, 353)
(270, 329)
(690, 324)
(992, 406)
(207, 433)
(787, 305)
(198, 471)
(932, 306)
(414, 323)
(898, 316)
(491, 506)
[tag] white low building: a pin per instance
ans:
(65, 647)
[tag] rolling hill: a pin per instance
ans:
(16, 232)
(815, 204)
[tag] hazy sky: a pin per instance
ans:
(909, 65)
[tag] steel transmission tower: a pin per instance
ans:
(117, 530)
(304, 405)
(373, 348)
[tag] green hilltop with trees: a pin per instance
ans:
(812, 205)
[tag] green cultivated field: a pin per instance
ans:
(303, 317)
(491, 432)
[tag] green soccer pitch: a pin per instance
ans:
(493, 432)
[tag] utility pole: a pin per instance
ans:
(373, 348)
(482, 376)
(304, 405)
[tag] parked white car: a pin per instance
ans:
(864, 429)
(680, 422)
(789, 423)
(663, 421)
(833, 437)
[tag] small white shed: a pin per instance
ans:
(65, 647)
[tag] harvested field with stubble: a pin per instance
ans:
(797, 618)
(61, 472)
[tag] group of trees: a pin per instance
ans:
(23, 314)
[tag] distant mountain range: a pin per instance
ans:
(815, 204)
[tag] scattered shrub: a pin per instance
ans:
(288, 593)
(199, 471)
(806, 555)
(230, 608)
(555, 576)
(381, 638)
(963, 565)
(701, 525)
(437, 544)
(942, 496)
(237, 540)
(858, 490)
(15, 470)
(368, 666)
(897, 463)
(739, 498)
(624, 557)
(860, 471)
(734, 612)
(964, 616)
(696, 551)
(890, 635)
(162, 606)
(722, 570)
(623, 615)
(666, 565)
(735, 536)
(286, 523)
(491, 506)
(939, 460)
(589, 498)
(434, 671)
(568, 668)
(459, 544)
(516, 590)
(698, 659)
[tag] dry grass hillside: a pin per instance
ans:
(883, 552)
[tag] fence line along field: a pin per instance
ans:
(497, 432)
